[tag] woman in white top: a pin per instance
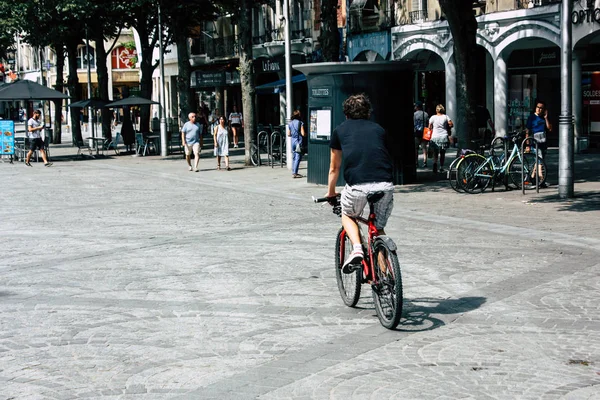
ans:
(237, 122)
(440, 126)
(221, 139)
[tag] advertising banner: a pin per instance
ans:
(7, 137)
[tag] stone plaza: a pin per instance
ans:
(132, 278)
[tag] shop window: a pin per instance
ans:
(83, 57)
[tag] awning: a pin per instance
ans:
(278, 86)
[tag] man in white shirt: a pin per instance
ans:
(34, 128)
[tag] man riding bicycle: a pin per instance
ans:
(368, 167)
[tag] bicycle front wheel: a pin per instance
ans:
(348, 284)
(387, 291)
(474, 173)
(254, 156)
(453, 176)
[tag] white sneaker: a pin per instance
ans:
(235, 146)
(353, 262)
(189, 168)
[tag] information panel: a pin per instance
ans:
(320, 124)
(7, 138)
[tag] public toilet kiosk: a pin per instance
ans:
(389, 86)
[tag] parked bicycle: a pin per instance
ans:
(452, 169)
(474, 172)
(380, 266)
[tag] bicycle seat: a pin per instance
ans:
(374, 197)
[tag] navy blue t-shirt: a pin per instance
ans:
(365, 153)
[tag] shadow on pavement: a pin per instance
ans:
(418, 313)
(582, 202)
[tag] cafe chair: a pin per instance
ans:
(113, 144)
(143, 144)
(83, 145)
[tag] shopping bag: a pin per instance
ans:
(426, 133)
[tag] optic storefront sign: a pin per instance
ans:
(589, 15)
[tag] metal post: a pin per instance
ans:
(288, 81)
(565, 124)
(161, 107)
(89, 86)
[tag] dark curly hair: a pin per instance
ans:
(357, 106)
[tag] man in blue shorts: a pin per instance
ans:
(368, 167)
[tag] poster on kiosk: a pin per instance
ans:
(7, 138)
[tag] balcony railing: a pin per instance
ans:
(300, 34)
(534, 3)
(417, 16)
(368, 21)
(225, 47)
(268, 36)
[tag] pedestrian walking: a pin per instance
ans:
(236, 122)
(221, 139)
(420, 121)
(34, 127)
(191, 137)
(441, 128)
(296, 132)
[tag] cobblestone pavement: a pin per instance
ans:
(130, 278)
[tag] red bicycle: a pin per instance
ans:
(380, 266)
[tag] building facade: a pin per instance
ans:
(519, 55)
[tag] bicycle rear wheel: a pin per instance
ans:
(387, 292)
(528, 168)
(348, 284)
(474, 173)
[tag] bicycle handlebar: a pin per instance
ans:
(335, 199)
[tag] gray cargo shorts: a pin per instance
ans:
(354, 201)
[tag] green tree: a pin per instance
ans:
(463, 26)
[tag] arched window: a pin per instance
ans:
(83, 57)
(123, 57)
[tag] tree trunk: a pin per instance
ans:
(146, 69)
(58, 104)
(247, 76)
(72, 83)
(329, 36)
(102, 72)
(463, 27)
(187, 102)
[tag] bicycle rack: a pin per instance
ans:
(537, 163)
(281, 146)
(258, 146)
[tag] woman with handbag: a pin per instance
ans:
(440, 126)
(296, 132)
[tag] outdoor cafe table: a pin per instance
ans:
(99, 143)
